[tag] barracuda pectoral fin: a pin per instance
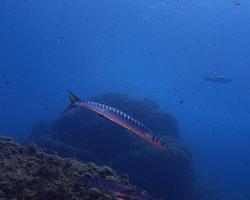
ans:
(129, 131)
(100, 116)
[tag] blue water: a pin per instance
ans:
(145, 48)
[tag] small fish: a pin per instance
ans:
(181, 101)
(219, 79)
(246, 162)
(237, 2)
(132, 125)
(120, 191)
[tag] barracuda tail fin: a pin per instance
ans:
(73, 99)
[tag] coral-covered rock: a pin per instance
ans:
(28, 173)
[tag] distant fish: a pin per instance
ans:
(132, 125)
(120, 191)
(181, 101)
(246, 162)
(219, 79)
(237, 2)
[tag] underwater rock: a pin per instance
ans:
(53, 145)
(29, 173)
(90, 138)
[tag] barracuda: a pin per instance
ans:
(132, 125)
(120, 191)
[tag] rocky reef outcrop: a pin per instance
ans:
(29, 173)
(86, 136)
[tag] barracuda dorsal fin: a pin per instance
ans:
(73, 99)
